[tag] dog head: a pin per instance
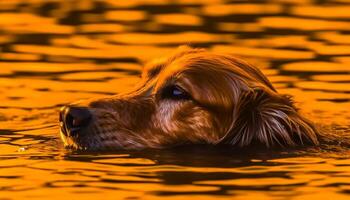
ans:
(190, 97)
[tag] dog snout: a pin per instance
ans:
(73, 119)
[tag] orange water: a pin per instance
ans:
(57, 51)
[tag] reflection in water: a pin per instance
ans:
(55, 52)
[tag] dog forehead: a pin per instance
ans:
(196, 66)
(203, 71)
(154, 67)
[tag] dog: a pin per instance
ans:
(190, 97)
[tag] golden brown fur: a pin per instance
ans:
(222, 100)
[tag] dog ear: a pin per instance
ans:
(267, 118)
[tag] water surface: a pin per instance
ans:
(53, 52)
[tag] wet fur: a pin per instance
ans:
(231, 103)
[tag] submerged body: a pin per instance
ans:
(190, 97)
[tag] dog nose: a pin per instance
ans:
(73, 119)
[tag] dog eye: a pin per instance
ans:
(175, 92)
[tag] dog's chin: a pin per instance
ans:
(80, 143)
(89, 142)
(72, 143)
